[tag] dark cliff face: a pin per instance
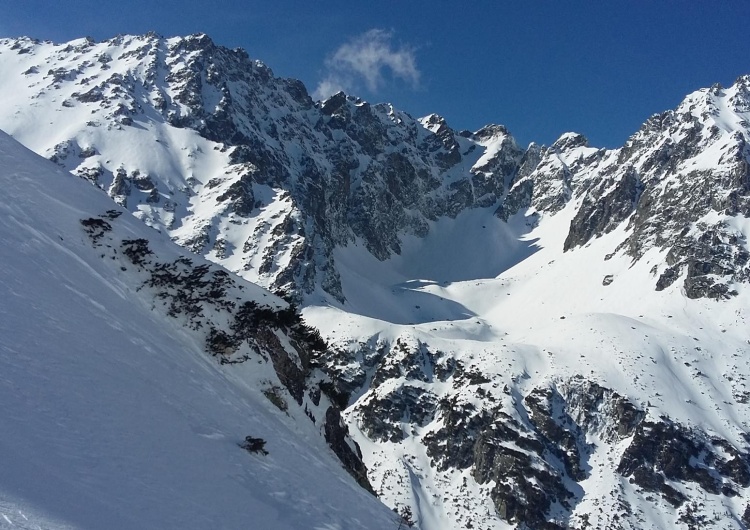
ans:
(535, 453)
(236, 327)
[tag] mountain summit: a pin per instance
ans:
(540, 337)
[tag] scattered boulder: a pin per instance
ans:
(254, 445)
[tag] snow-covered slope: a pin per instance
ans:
(545, 393)
(553, 337)
(590, 370)
(113, 414)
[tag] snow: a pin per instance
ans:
(502, 298)
(525, 311)
(113, 416)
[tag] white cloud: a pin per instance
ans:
(327, 87)
(370, 59)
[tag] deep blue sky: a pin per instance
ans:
(539, 67)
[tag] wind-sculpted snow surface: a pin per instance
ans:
(115, 415)
(549, 337)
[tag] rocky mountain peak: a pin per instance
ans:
(492, 131)
(333, 103)
(569, 141)
(433, 122)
